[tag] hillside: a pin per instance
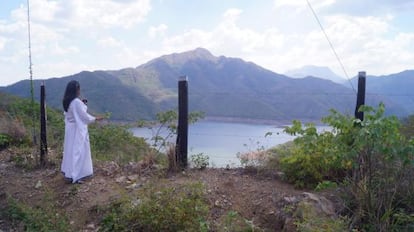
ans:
(395, 87)
(105, 93)
(219, 86)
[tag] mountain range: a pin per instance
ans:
(222, 87)
(315, 71)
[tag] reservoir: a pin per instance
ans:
(222, 141)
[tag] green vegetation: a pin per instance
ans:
(15, 120)
(311, 158)
(4, 141)
(370, 159)
(116, 143)
(312, 220)
(108, 141)
(233, 221)
(44, 217)
(178, 208)
(200, 161)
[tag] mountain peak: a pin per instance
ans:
(175, 59)
(315, 71)
(201, 52)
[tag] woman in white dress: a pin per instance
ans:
(77, 160)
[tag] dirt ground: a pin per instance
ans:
(259, 198)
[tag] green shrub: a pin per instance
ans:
(371, 158)
(381, 182)
(326, 185)
(40, 218)
(200, 161)
(311, 220)
(116, 143)
(16, 122)
(4, 141)
(179, 208)
(312, 158)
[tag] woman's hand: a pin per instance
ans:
(99, 118)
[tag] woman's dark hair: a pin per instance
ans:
(71, 93)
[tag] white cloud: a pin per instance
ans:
(362, 43)
(54, 69)
(231, 15)
(60, 50)
(44, 10)
(85, 14)
(227, 38)
(157, 31)
(187, 41)
(301, 5)
(109, 42)
(104, 13)
(3, 42)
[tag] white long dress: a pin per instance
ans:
(77, 160)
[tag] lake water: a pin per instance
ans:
(222, 141)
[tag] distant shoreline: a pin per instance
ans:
(253, 121)
(258, 121)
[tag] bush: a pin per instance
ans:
(116, 143)
(41, 218)
(16, 123)
(376, 158)
(200, 161)
(309, 220)
(179, 208)
(312, 158)
(4, 141)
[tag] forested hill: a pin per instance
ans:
(219, 86)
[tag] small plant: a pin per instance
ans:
(252, 159)
(179, 208)
(4, 141)
(200, 161)
(255, 157)
(165, 128)
(233, 221)
(326, 185)
(310, 219)
(24, 157)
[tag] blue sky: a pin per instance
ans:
(69, 36)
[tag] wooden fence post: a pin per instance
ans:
(43, 137)
(360, 95)
(182, 130)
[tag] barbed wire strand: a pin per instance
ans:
(331, 45)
